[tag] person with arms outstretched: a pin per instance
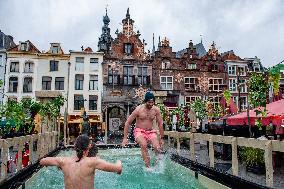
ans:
(79, 170)
(144, 132)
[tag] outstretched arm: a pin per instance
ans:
(108, 167)
(51, 161)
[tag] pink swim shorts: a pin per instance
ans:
(147, 134)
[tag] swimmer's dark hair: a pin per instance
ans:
(81, 145)
(93, 150)
(149, 96)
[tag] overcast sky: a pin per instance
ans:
(250, 28)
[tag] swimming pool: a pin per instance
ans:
(166, 174)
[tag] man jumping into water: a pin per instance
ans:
(144, 132)
(79, 170)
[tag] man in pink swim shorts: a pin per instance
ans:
(144, 132)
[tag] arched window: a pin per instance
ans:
(28, 85)
(13, 84)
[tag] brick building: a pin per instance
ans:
(126, 67)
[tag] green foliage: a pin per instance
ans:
(252, 156)
(274, 77)
(227, 95)
(179, 111)
(19, 114)
(199, 107)
(14, 114)
(258, 89)
(52, 107)
(164, 112)
(218, 110)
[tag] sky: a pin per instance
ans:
(248, 27)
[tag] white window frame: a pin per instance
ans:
(189, 83)
(79, 65)
(243, 71)
(243, 86)
(233, 85)
(94, 83)
(232, 70)
(15, 67)
(29, 67)
(243, 103)
(167, 82)
(191, 66)
(215, 84)
(54, 49)
(94, 64)
(24, 46)
(166, 64)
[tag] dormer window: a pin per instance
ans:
(55, 49)
(24, 46)
(166, 64)
(256, 67)
(128, 48)
(191, 66)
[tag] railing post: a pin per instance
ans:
(20, 149)
(268, 163)
(235, 163)
(211, 151)
(40, 144)
(31, 145)
(4, 157)
(169, 140)
(192, 147)
(54, 140)
(178, 143)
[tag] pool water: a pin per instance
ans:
(165, 175)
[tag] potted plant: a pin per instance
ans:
(254, 159)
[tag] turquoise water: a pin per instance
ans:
(165, 175)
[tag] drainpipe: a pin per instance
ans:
(106, 122)
(67, 106)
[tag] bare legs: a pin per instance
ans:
(144, 151)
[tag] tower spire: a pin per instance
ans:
(153, 50)
(105, 39)
(127, 13)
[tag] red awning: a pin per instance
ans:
(275, 113)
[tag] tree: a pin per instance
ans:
(51, 109)
(258, 90)
(199, 107)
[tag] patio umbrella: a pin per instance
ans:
(275, 114)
